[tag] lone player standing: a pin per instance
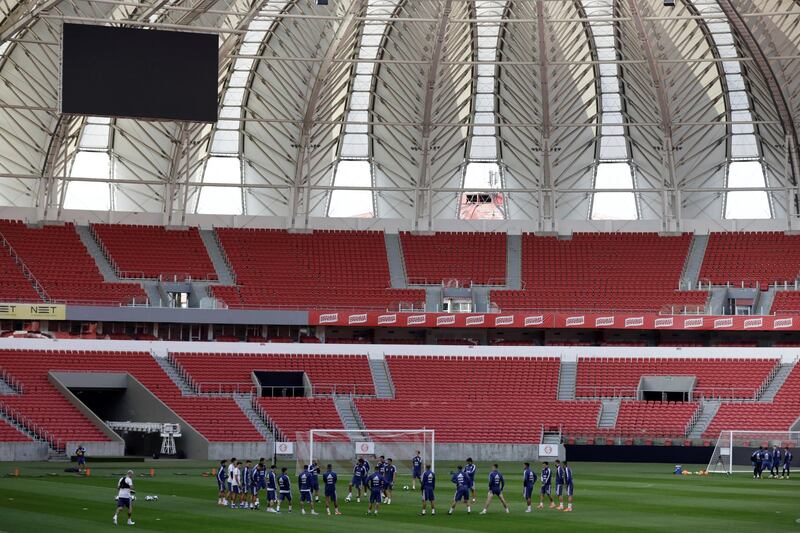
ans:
(124, 495)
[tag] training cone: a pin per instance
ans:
(152, 472)
(16, 472)
(88, 472)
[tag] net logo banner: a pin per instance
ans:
(23, 311)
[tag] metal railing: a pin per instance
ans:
(32, 427)
(352, 390)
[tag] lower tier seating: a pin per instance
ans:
(215, 372)
(716, 378)
(9, 433)
(218, 419)
(291, 416)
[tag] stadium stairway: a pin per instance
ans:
(384, 388)
(394, 255)
(706, 413)
(776, 382)
(719, 296)
(174, 375)
(567, 376)
(5, 388)
(224, 275)
(245, 403)
(433, 299)
(763, 303)
(100, 259)
(514, 262)
(694, 260)
(348, 412)
(480, 299)
(608, 414)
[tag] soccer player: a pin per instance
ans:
(222, 483)
(285, 490)
(80, 454)
(570, 488)
(305, 485)
(496, 486)
(546, 486)
(528, 481)
(247, 485)
(428, 484)
(260, 482)
(236, 485)
(329, 480)
(416, 470)
(559, 485)
(358, 480)
(389, 473)
(231, 467)
(470, 470)
(766, 460)
(272, 490)
(315, 471)
(376, 483)
(461, 481)
(124, 494)
(787, 463)
(776, 461)
(755, 458)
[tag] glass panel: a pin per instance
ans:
(614, 205)
(352, 204)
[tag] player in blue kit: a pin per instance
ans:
(787, 463)
(416, 470)
(776, 461)
(569, 486)
(305, 484)
(470, 469)
(375, 484)
(560, 485)
(315, 470)
(247, 486)
(766, 460)
(461, 481)
(528, 481)
(222, 483)
(259, 482)
(284, 490)
(329, 479)
(272, 490)
(359, 475)
(389, 475)
(428, 484)
(547, 482)
(496, 486)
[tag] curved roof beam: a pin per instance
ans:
(422, 199)
(763, 66)
(669, 211)
(349, 22)
(23, 14)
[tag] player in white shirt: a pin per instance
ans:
(236, 486)
(124, 496)
(231, 468)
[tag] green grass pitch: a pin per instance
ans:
(608, 497)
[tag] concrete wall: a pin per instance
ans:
(98, 449)
(23, 451)
(240, 450)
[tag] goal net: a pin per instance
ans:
(343, 447)
(734, 448)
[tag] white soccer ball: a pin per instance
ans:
(149, 498)
(405, 487)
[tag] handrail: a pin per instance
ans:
(317, 389)
(25, 270)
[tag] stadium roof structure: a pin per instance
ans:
(536, 112)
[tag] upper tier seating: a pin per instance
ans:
(293, 415)
(602, 271)
(780, 415)
(323, 269)
(9, 433)
(716, 378)
(218, 419)
(764, 257)
(654, 419)
(468, 257)
(155, 252)
(14, 286)
(215, 372)
(62, 265)
(477, 399)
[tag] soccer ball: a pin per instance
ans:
(405, 487)
(149, 498)
(347, 499)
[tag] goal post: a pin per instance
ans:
(342, 447)
(733, 448)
